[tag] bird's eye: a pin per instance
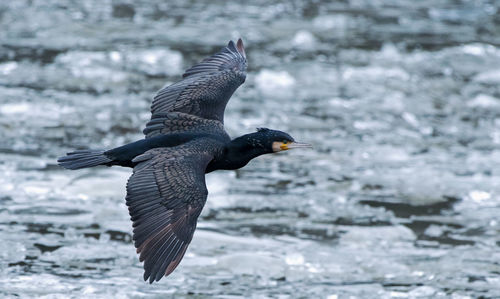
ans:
(285, 142)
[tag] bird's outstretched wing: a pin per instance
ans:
(207, 86)
(165, 196)
(177, 122)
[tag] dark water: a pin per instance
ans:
(399, 199)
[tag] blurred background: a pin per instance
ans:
(399, 198)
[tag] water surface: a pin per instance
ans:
(399, 198)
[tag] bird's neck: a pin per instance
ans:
(239, 152)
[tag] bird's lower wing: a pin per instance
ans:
(165, 196)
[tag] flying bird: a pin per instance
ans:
(184, 140)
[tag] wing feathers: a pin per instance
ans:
(165, 196)
(229, 57)
(177, 122)
(207, 86)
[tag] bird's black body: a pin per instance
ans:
(184, 139)
(230, 154)
(123, 155)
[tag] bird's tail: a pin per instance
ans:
(83, 159)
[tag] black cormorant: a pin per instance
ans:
(185, 139)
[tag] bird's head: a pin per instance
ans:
(276, 141)
(265, 141)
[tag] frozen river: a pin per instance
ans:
(400, 197)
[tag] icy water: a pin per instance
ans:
(400, 197)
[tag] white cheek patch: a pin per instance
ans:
(277, 146)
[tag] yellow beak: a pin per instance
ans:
(291, 145)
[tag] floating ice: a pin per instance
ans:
(488, 77)
(484, 101)
(91, 66)
(304, 40)
(105, 183)
(434, 231)
(475, 49)
(80, 59)
(411, 119)
(14, 108)
(155, 61)
(275, 83)
(8, 67)
(115, 56)
(336, 22)
(34, 189)
(294, 259)
(382, 236)
(375, 73)
(422, 292)
(479, 196)
(253, 264)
